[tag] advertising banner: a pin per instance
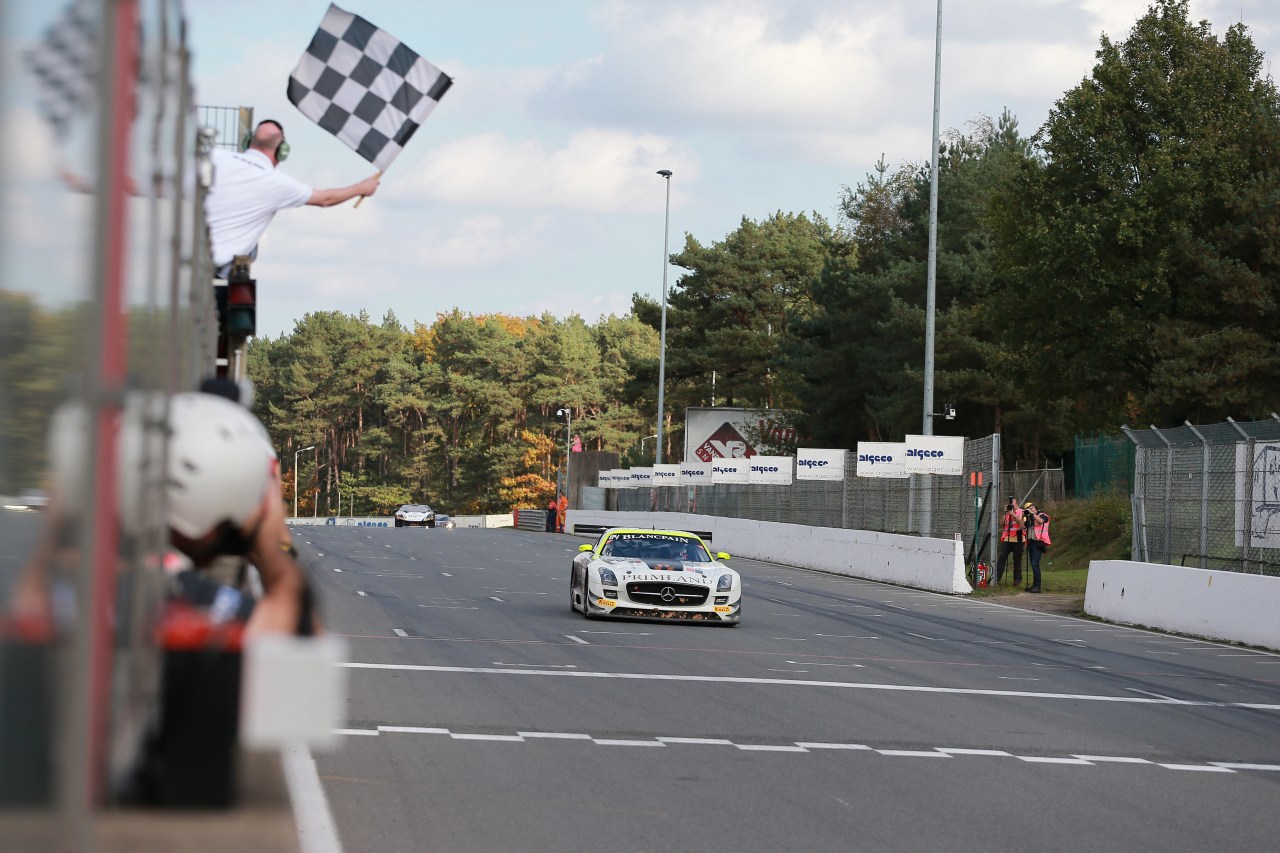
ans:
(770, 470)
(1258, 495)
(605, 479)
(721, 432)
(621, 478)
(935, 454)
(666, 475)
(730, 471)
(819, 464)
(695, 473)
(641, 478)
(886, 459)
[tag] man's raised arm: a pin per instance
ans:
(328, 198)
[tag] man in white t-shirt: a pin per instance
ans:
(248, 191)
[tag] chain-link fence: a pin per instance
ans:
(921, 505)
(1208, 496)
(1103, 463)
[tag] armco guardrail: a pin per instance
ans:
(531, 519)
(1217, 605)
(915, 561)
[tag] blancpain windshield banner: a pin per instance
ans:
(935, 454)
(730, 471)
(641, 478)
(770, 470)
(666, 475)
(814, 464)
(882, 459)
(695, 473)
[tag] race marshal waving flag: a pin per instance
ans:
(365, 86)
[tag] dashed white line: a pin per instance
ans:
(810, 663)
(1112, 759)
(448, 607)
(1149, 693)
(1038, 759)
(1201, 768)
(413, 730)
(708, 741)
(623, 742)
(576, 639)
(495, 598)
(555, 735)
(921, 636)
(764, 747)
(400, 632)
(446, 574)
(339, 571)
(361, 593)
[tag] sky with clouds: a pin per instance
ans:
(532, 186)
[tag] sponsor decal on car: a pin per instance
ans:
(669, 576)
(605, 602)
(720, 608)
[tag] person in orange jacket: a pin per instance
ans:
(1037, 527)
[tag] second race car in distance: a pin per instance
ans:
(654, 574)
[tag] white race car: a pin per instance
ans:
(654, 574)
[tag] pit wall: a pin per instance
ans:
(1198, 602)
(914, 561)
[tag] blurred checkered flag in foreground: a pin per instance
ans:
(365, 86)
(65, 65)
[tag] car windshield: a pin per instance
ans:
(656, 547)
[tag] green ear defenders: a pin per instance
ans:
(282, 150)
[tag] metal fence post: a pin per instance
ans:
(1204, 496)
(1168, 489)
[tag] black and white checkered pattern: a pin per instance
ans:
(365, 87)
(65, 65)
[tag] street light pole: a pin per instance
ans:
(568, 437)
(295, 477)
(662, 336)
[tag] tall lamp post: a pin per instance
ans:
(295, 477)
(567, 413)
(662, 336)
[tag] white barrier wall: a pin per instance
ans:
(915, 561)
(1199, 602)
(488, 521)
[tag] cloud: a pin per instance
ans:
(594, 170)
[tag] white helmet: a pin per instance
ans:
(220, 459)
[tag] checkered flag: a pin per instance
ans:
(65, 65)
(365, 86)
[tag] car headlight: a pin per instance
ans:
(607, 576)
(725, 583)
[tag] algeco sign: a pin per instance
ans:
(814, 464)
(919, 454)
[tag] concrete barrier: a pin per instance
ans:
(1198, 602)
(914, 561)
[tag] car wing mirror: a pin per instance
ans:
(584, 547)
(721, 555)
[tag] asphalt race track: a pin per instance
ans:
(842, 715)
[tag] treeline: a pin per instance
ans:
(462, 414)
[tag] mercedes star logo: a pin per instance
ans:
(668, 594)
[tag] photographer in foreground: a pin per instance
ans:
(1011, 535)
(1037, 527)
